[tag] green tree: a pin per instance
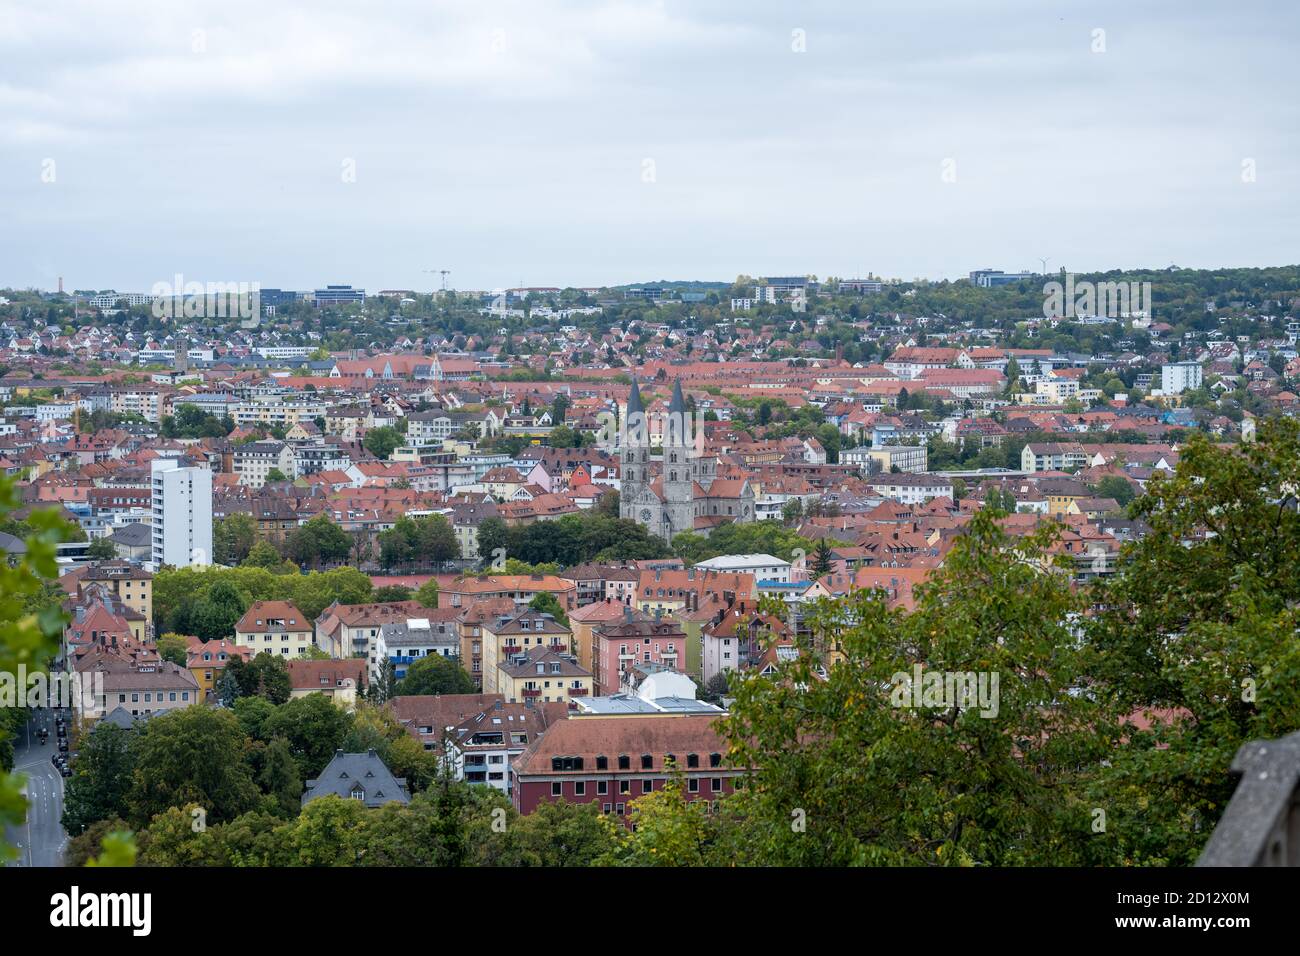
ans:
(313, 726)
(381, 442)
(30, 627)
(318, 541)
(1003, 772)
(279, 777)
(263, 555)
(427, 595)
(544, 602)
(191, 755)
(101, 549)
(668, 829)
(173, 647)
(233, 537)
(214, 617)
(1113, 486)
(99, 787)
(435, 674)
(493, 540)
(823, 559)
(267, 675)
(1198, 630)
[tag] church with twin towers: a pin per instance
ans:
(679, 489)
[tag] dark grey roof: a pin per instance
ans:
(678, 404)
(349, 773)
(132, 536)
(121, 717)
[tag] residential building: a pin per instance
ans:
(362, 777)
(182, 514)
(613, 760)
(542, 674)
(276, 627)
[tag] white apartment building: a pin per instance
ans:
(146, 404)
(909, 489)
(253, 462)
(764, 567)
(1178, 377)
(182, 514)
(428, 428)
(1057, 390)
(274, 411)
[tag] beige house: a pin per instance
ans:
(507, 636)
(142, 689)
(340, 681)
(542, 675)
(276, 627)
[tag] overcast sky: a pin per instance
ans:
(607, 141)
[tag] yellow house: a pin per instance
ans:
(131, 584)
(207, 662)
(542, 675)
(506, 637)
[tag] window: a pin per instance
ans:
(717, 784)
(557, 788)
(624, 762)
(624, 786)
(602, 787)
(579, 788)
(602, 762)
(693, 785)
(692, 760)
(647, 762)
(647, 786)
(715, 760)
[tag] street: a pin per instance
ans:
(41, 840)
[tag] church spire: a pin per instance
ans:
(634, 401)
(678, 404)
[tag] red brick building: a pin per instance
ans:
(611, 761)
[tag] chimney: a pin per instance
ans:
(370, 752)
(339, 752)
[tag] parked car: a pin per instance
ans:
(63, 744)
(65, 770)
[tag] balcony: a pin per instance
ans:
(530, 693)
(511, 649)
(577, 692)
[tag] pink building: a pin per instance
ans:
(635, 638)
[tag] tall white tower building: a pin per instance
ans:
(182, 514)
